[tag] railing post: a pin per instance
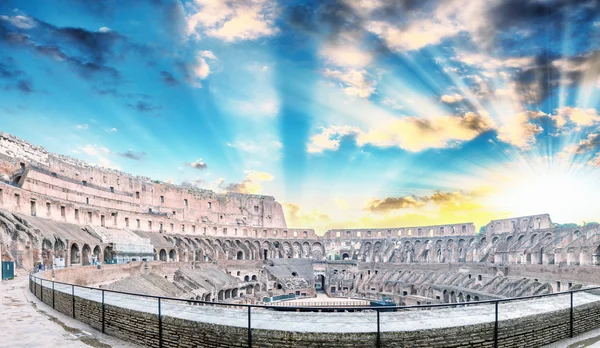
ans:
(41, 289)
(159, 324)
(378, 344)
(249, 327)
(103, 325)
(571, 317)
(496, 326)
(73, 299)
(53, 295)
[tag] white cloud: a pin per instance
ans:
(82, 126)
(113, 130)
(207, 55)
(97, 155)
(408, 133)
(519, 131)
(355, 82)
(392, 103)
(329, 138)
(452, 98)
(345, 55)
(231, 20)
(104, 29)
(578, 116)
(21, 22)
(201, 68)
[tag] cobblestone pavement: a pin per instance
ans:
(26, 322)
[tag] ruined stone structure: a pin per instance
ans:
(160, 239)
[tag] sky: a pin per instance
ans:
(351, 113)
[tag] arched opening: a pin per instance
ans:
(97, 254)
(320, 282)
(468, 298)
(240, 255)
(345, 256)
(249, 290)
(220, 296)
(597, 256)
(155, 255)
(86, 255)
(279, 287)
(294, 274)
(163, 255)
(75, 254)
(108, 255)
(234, 293)
(246, 278)
(172, 255)
(254, 278)
(227, 294)
(265, 252)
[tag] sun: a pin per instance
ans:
(568, 193)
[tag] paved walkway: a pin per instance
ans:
(26, 322)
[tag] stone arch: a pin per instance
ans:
(108, 254)
(172, 255)
(254, 278)
(97, 254)
(246, 278)
(59, 249)
(345, 256)
(163, 255)
(240, 255)
(86, 255)
(75, 255)
(318, 251)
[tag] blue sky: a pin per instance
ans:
(351, 113)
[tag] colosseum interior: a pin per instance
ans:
(88, 226)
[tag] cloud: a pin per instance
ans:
(97, 155)
(113, 130)
(251, 184)
(198, 70)
(168, 78)
(409, 133)
(394, 203)
(207, 55)
(452, 98)
(232, 21)
(577, 116)
(345, 55)
(144, 106)
(82, 126)
(392, 103)
(297, 216)
(104, 29)
(21, 22)
(355, 82)
(329, 138)
(133, 155)
(198, 164)
(520, 130)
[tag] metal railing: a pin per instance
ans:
(34, 285)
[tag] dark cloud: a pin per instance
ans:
(196, 183)
(15, 79)
(133, 155)
(168, 78)
(534, 84)
(591, 144)
(144, 106)
(397, 203)
(199, 164)
(393, 203)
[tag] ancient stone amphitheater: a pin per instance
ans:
(165, 265)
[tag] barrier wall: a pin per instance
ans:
(163, 322)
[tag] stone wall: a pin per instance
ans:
(144, 328)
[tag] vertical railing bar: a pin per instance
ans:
(496, 326)
(160, 339)
(571, 318)
(378, 330)
(73, 299)
(103, 316)
(53, 295)
(249, 327)
(42, 289)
